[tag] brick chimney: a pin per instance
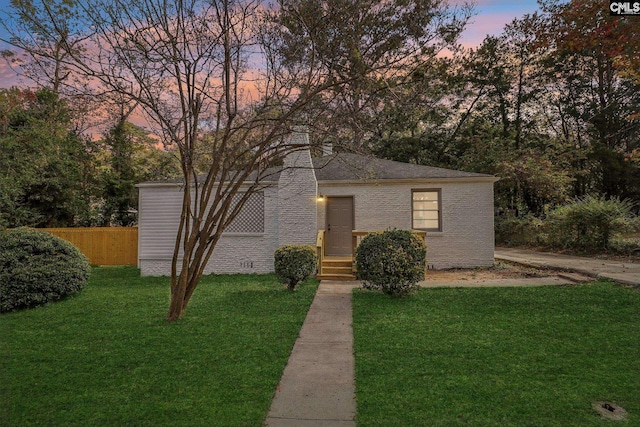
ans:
(297, 193)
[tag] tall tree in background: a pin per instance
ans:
(597, 98)
(378, 48)
(45, 166)
(118, 181)
(503, 131)
(43, 35)
(413, 124)
(44, 32)
(129, 156)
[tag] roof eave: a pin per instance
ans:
(491, 179)
(181, 184)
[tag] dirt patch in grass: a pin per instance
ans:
(610, 411)
(501, 270)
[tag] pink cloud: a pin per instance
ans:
(482, 25)
(8, 76)
(9, 72)
(476, 3)
(491, 17)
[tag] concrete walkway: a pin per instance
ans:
(621, 272)
(317, 388)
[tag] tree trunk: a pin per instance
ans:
(178, 303)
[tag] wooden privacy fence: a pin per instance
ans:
(102, 245)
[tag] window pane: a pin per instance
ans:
(426, 210)
(425, 215)
(425, 195)
(426, 224)
(433, 205)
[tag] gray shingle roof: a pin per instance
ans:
(355, 167)
(348, 167)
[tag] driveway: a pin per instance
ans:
(621, 272)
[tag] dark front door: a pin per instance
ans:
(339, 226)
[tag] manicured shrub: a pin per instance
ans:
(37, 268)
(294, 263)
(588, 224)
(393, 261)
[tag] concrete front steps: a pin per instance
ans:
(337, 268)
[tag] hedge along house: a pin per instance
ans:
(331, 202)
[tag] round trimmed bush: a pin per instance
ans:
(294, 263)
(37, 268)
(393, 261)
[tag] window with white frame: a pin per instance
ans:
(426, 210)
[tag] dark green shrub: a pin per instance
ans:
(519, 231)
(588, 224)
(294, 263)
(625, 246)
(37, 268)
(393, 261)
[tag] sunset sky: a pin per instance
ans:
(491, 16)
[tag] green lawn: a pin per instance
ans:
(497, 356)
(106, 357)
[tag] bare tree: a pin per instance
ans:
(220, 74)
(201, 74)
(378, 48)
(43, 36)
(43, 32)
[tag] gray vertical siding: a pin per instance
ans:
(245, 249)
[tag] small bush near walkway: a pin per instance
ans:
(393, 261)
(107, 357)
(294, 264)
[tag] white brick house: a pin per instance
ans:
(322, 201)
